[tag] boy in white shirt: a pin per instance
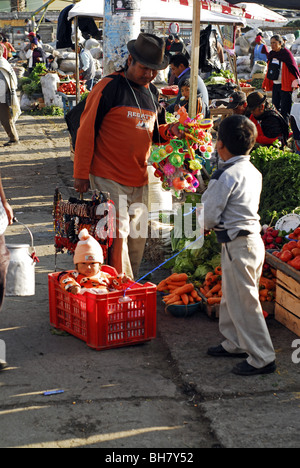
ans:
(231, 204)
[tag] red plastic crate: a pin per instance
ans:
(102, 321)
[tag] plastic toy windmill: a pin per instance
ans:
(177, 164)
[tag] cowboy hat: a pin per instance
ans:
(149, 50)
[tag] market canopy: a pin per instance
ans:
(158, 10)
(281, 4)
(253, 13)
(218, 12)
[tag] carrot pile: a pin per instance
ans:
(267, 289)
(180, 291)
(212, 286)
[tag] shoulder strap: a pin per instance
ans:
(217, 174)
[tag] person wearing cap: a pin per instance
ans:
(281, 73)
(32, 40)
(88, 259)
(284, 41)
(270, 124)
(238, 103)
(34, 55)
(260, 51)
(121, 120)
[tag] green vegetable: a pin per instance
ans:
(262, 156)
(48, 110)
(215, 80)
(201, 272)
(257, 83)
(281, 182)
(32, 84)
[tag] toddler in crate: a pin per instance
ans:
(88, 274)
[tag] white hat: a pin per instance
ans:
(87, 249)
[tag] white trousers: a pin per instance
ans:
(131, 205)
(242, 322)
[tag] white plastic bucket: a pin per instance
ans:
(20, 278)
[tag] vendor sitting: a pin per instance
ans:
(88, 258)
(270, 124)
(238, 103)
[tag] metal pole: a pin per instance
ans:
(122, 22)
(195, 57)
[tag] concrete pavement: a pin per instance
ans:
(164, 394)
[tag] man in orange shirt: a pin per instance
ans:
(121, 120)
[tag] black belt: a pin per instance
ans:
(243, 233)
(223, 237)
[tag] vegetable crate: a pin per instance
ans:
(104, 321)
(287, 306)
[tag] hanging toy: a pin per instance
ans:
(177, 163)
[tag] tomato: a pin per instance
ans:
(290, 245)
(295, 251)
(286, 256)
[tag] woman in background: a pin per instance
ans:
(282, 71)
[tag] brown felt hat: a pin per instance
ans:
(255, 99)
(149, 50)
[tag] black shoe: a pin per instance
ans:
(243, 368)
(219, 351)
(11, 143)
(3, 365)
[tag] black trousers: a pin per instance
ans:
(282, 100)
(4, 262)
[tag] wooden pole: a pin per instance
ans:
(77, 60)
(195, 57)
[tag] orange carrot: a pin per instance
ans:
(162, 285)
(171, 300)
(198, 299)
(178, 277)
(185, 298)
(218, 270)
(187, 288)
(213, 290)
(194, 293)
(212, 279)
(175, 285)
(208, 275)
(213, 300)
